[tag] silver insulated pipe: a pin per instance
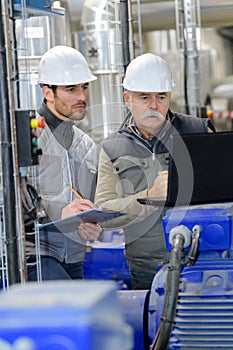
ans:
(101, 44)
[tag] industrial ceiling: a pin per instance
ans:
(159, 15)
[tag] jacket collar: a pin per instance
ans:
(63, 131)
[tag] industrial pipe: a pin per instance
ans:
(125, 33)
(9, 200)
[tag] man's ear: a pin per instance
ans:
(48, 93)
(126, 98)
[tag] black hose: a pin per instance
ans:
(171, 295)
(26, 199)
(32, 205)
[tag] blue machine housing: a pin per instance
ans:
(63, 315)
(204, 315)
(215, 221)
(105, 260)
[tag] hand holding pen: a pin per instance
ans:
(77, 205)
(87, 231)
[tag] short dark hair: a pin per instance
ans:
(53, 87)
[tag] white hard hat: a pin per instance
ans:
(64, 65)
(148, 73)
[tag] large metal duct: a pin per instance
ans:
(101, 44)
(160, 14)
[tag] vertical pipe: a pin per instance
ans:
(9, 202)
(14, 53)
(190, 16)
(187, 14)
(131, 31)
(125, 33)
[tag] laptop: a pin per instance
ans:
(200, 170)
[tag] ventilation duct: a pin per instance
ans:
(100, 42)
(160, 15)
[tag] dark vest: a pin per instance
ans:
(136, 162)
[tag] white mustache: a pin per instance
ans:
(150, 113)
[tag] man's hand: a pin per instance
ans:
(77, 206)
(159, 188)
(86, 231)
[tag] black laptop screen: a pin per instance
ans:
(201, 169)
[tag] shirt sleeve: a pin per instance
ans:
(108, 196)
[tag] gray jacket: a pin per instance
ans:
(75, 163)
(128, 166)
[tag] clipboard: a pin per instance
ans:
(69, 224)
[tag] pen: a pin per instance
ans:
(74, 191)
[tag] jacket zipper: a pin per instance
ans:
(138, 138)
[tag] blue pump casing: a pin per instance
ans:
(105, 260)
(67, 315)
(215, 221)
(204, 314)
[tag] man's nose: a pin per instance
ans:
(80, 94)
(154, 102)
